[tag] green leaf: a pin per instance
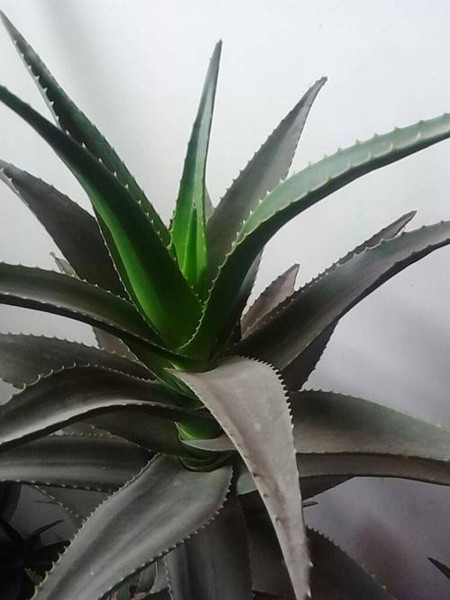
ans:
(335, 575)
(347, 436)
(269, 165)
(76, 394)
(73, 230)
(69, 297)
(214, 563)
(189, 222)
(134, 527)
(23, 358)
(289, 199)
(271, 297)
(92, 462)
(71, 120)
(150, 275)
(319, 305)
(248, 401)
(155, 433)
(296, 373)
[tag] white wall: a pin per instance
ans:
(137, 66)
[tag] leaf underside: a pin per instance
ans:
(115, 540)
(248, 401)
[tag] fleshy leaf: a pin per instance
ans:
(269, 165)
(384, 442)
(319, 305)
(150, 275)
(87, 462)
(76, 394)
(189, 222)
(248, 401)
(52, 292)
(335, 575)
(78, 503)
(71, 120)
(73, 230)
(289, 199)
(155, 433)
(23, 358)
(298, 371)
(115, 540)
(274, 294)
(214, 563)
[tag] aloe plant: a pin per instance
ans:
(188, 423)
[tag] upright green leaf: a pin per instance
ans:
(189, 222)
(320, 304)
(215, 563)
(248, 401)
(75, 395)
(115, 540)
(73, 230)
(150, 275)
(78, 503)
(75, 461)
(71, 120)
(289, 199)
(23, 358)
(269, 165)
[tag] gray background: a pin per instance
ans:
(136, 67)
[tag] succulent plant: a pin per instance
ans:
(180, 441)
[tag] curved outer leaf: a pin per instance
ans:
(71, 120)
(248, 401)
(292, 197)
(320, 304)
(189, 222)
(150, 275)
(296, 373)
(76, 394)
(214, 564)
(275, 293)
(23, 358)
(266, 169)
(345, 435)
(73, 230)
(155, 433)
(134, 527)
(48, 291)
(74, 461)
(335, 575)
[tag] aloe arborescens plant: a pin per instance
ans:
(187, 426)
